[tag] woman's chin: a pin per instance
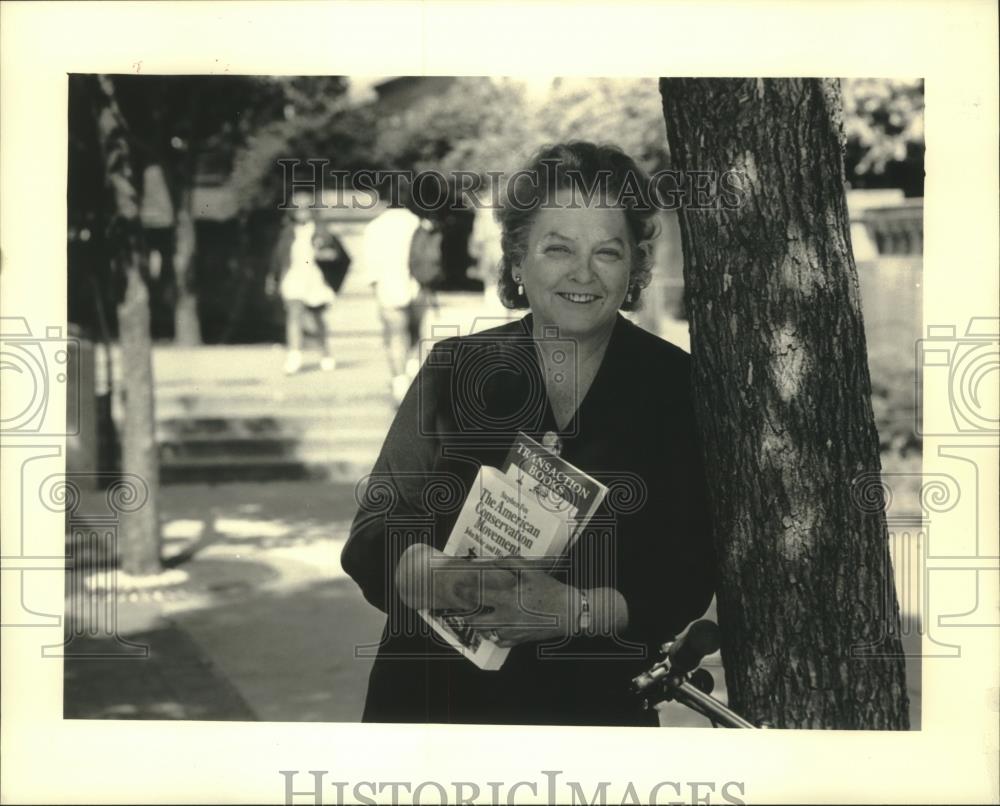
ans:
(585, 321)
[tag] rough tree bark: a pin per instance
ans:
(140, 529)
(807, 605)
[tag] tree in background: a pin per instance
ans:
(186, 126)
(884, 124)
(235, 128)
(483, 124)
(140, 528)
(195, 129)
(319, 121)
(492, 124)
(623, 111)
(196, 125)
(476, 124)
(807, 603)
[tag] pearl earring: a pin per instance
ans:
(628, 296)
(520, 287)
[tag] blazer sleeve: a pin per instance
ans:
(395, 496)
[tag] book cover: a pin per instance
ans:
(563, 486)
(533, 507)
(500, 518)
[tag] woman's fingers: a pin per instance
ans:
(482, 585)
(511, 637)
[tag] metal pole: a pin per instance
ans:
(689, 695)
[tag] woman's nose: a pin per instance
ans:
(583, 268)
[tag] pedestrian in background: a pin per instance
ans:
(387, 242)
(304, 290)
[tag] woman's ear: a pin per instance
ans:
(645, 250)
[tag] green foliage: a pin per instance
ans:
(622, 111)
(336, 132)
(884, 123)
(237, 127)
(473, 126)
(483, 124)
(230, 128)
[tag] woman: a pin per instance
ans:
(303, 289)
(615, 400)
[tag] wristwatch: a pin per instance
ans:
(583, 625)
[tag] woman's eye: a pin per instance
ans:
(613, 254)
(556, 249)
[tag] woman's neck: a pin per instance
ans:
(589, 349)
(567, 382)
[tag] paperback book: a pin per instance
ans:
(534, 507)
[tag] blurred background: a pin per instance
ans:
(249, 615)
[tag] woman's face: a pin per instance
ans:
(576, 266)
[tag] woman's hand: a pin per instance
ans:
(508, 603)
(537, 608)
(428, 578)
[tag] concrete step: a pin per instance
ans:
(229, 412)
(269, 428)
(227, 447)
(359, 413)
(345, 467)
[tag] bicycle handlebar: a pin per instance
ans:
(679, 677)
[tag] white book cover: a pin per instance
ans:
(503, 516)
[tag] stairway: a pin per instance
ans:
(314, 424)
(229, 413)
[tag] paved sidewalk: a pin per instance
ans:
(177, 680)
(265, 627)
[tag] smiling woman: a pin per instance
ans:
(577, 245)
(575, 271)
(612, 400)
(564, 179)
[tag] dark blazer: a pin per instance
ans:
(650, 539)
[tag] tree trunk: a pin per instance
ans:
(807, 604)
(140, 529)
(187, 327)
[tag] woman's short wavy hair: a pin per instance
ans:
(583, 167)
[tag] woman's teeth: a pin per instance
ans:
(581, 298)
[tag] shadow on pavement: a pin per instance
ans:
(291, 653)
(176, 681)
(277, 655)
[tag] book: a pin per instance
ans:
(534, 507)
(565, 487)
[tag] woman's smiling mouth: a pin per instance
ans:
(579, 299)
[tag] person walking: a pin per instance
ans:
(304, 291)
(387, 242)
